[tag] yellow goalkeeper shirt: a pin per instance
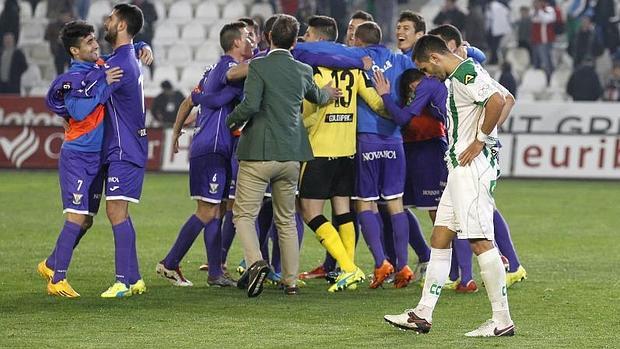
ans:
(332, 127)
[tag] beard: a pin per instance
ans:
(110, 36)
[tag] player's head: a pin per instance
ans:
(367, 33)
(431, 54)
(321, 28)
(235, 39)
(78, 39)
(8, 40)
(357, 18)
(450, 34)
(252, 28)
(126, 21)
(409, 29)
(284, 32)
(268, 26)
(408, 82)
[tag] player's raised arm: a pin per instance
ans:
(184, 110)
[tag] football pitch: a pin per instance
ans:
(565, 233)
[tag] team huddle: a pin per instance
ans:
(375, 132)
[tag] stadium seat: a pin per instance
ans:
(208, 53)
(41, 10)
(208, 12)
(30, 78)
(214, 30)
(193, 33)
(191, 75)
(25, 11)
(40, 53)
(97, 10)
(164, 72)
(179, 55)
(166, 33)
(559, 78)
(519, 58)
(534, 81)
(39, 91)
(263, 9)
(180, 12)
(234, 10)
(160, 8)
(32, 33)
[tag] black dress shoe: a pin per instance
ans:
(257, 274)
(291, 290)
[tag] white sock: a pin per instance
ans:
(436, 276)
(494, 277)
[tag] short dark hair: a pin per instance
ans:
(416, 18)
(249, 21)
(132, 16)
(369, 33)
(325, 25)
(71, 34)
(268, 25)
(428, 44)
(406, 78)
(448, 32)
(229, 33)
(284, 31)
(363, 15)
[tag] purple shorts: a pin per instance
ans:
(81, 181)
(427, 173)
(209, 178)
(124, 181)
(380, 170)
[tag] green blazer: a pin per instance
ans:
(274, 90)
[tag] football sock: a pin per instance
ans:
(346, 230)
(49, 262)
(276, 263)
(213, 242)
(263, 223)
(504, 241)
(329, 238)
(184, 241)
(386, 234)
(228, 234)
(454, 266)
(400, 226)
(64, 250)
(494, 276)
(462, 249)
(299, 222)
(371, 232)
(416, 238)
(134, 266)
(123, 239)
(436, 275)
(329, 264)
(79, 237)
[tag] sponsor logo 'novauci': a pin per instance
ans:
(381, 154)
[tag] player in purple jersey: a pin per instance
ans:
(81, 179)
(124, 147)
(210, 154)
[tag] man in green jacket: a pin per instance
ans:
(273, 142)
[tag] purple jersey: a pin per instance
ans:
(211, 134)
(125, 131)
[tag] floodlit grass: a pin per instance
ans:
(565, 233)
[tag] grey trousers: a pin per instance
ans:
(252, 181)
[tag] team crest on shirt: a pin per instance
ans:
(469, 78)
(213, 188)
(77, 198)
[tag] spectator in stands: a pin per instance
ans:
(9, 19)
(612, 87)
(57, 9)
(498, 25)
(606, 23)
(524, 30)
(150, 17)
(33, 4)
(584, 84)
(12, 65)
(451, 14)
(81, 8)
(475, 27)
(61, 58)
(166, 104)
(508, 80)
(543, 36)
(586, 44)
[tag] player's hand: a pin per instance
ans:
(113, 75)
(175, 139)
(367, 62)
(470, 153)
(382, 85)
(146, 55)
(333, 92)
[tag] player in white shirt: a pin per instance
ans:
(466, 207)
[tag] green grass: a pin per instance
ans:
(565, 233)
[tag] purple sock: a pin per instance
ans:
(371, 232)
(49, 262)
(416, 238)
(300, 228)
(123, 239)
(276, 263)
(213, 241)
(463, 256)
(134, 266)
(185, 239)
(263, 223)
(79, 237)
(400, 225)
(454, 265)
(64, 250)
(388, 234)
(228, 234)
(504, 241)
